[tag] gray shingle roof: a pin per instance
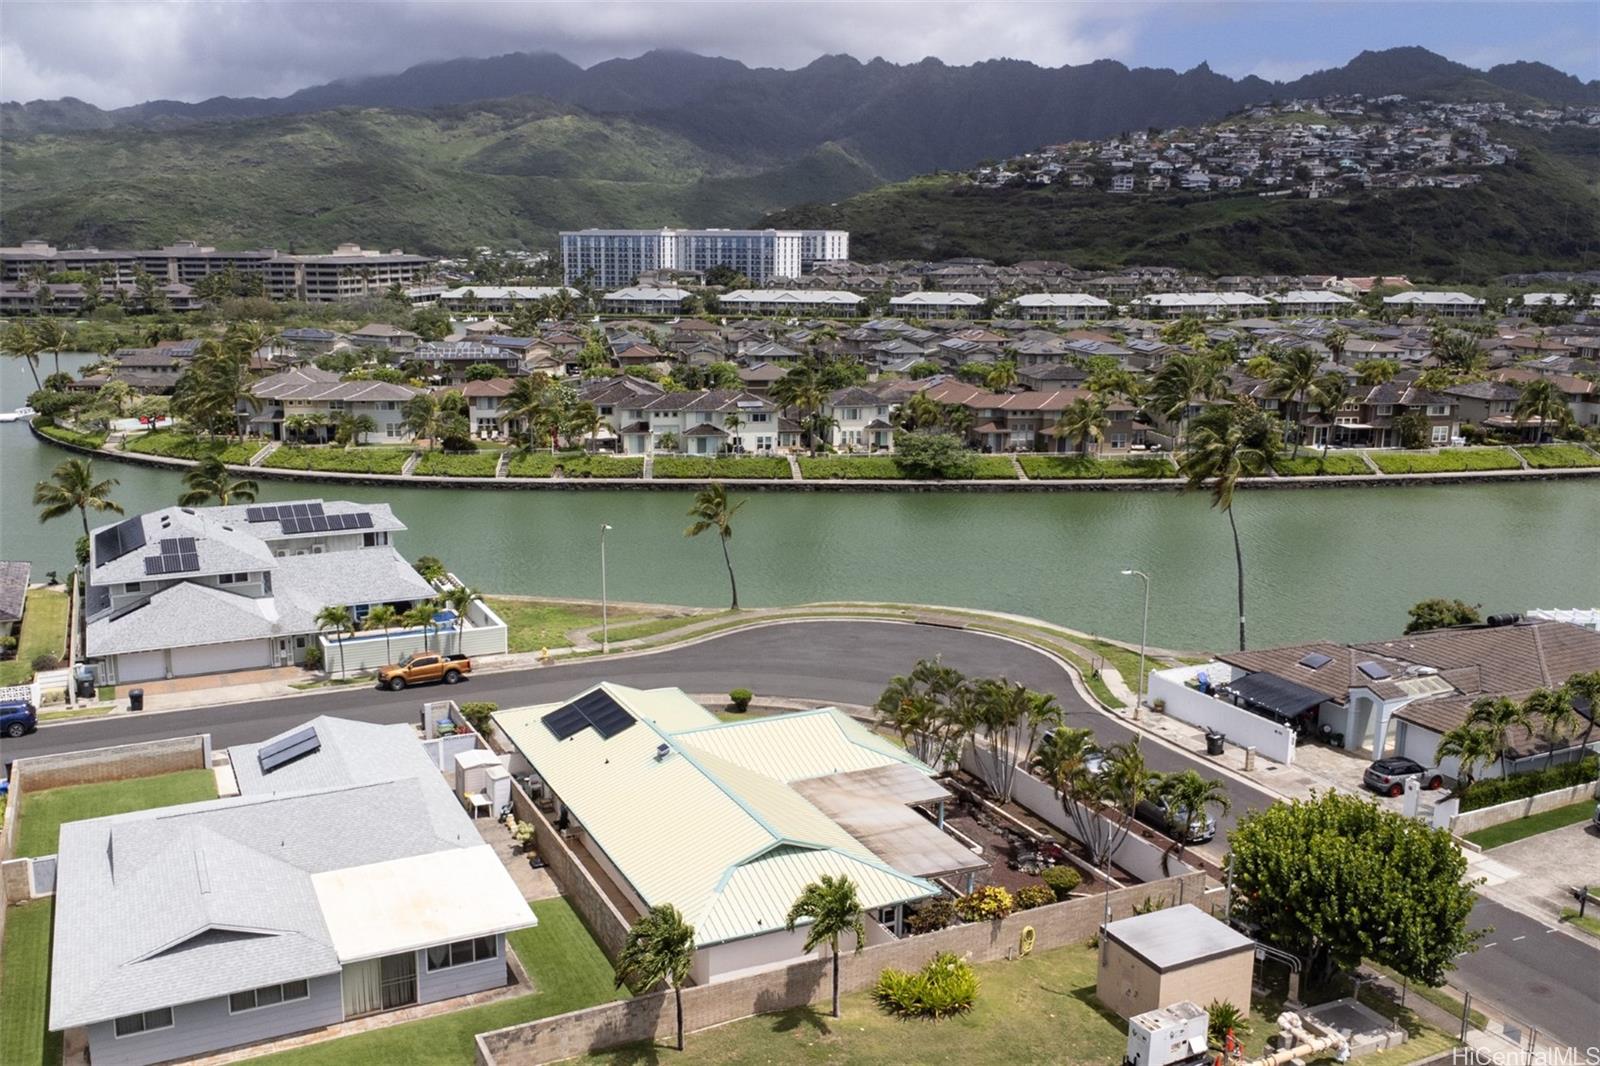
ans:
(13, 589)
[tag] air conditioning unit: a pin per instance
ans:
(1168, 1036)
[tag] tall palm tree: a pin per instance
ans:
(834, 909)
(1500, 716)
(1001, 376)
(458, 598)
(1471, 745)
(20, 342)
(1556, 713)
(1330, 393)
(53, 338)
(1085, 419)
(209, 480)
(384, 617)
(1293, 377)
(340, 622)
(1376, 371)
(423, 417)
(1540, 402)
(523, 404)
(1187, 795)
(420, 616)
(351, 428)
(1184, 379)
(1218, 455)
(72, 487)
(711, 511)
(801, 389)
(1335, 340)
(1072, 763)
(660, 947)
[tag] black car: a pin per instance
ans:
(1388, 776)
(17, 717)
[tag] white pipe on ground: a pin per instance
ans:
(1307, 1042)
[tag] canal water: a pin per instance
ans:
(1341, 564)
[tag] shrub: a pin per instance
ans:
(741, 698)
(1051, 467)
(1448, 461)
(933, 455)
(1519, 786)
(1549, 456)
(994, 467)
(945, 987)
(174, 445)
(575, 464)
(313, 659)
(45, 661)
(8, 644)
(934, 915)
(1150, 905)
(861, 468)
(73, 436)
(1315, 465)
(477, 713)
(1033, 896)
(1222, 1017)
(985, 902)
(733, 468)
(1061, 880)
(338, 460)
(472, 464)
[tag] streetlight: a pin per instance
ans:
(1144, 632)
(605, 622)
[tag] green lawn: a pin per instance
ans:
(44, 629)
(72, 436)
(1448, 461)
(1054, 467)
(568, 971)
(575, 464)
(25, 987)
(1315, 465)
(652, 627)
(1548, 456)
(994, 467)
(534, 625)
(175, 445)
(864, 467)
(44, 812)
(469, 464)
(730, 467)
(363, 460)
(1506, 832)
(1587, 922)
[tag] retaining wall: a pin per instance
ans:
(651, 1017)
(1500, 813)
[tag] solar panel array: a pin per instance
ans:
(179, 555)
(1373, 669)
(1316, 660)
(596, 709)
(327, 523)
(119, 540)
(282, 511)
(287, 749)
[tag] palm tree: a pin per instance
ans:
(351, 428)
(209, 480)
(299, 427)
(1187, 795)
(1218, 456)
(1554, 709)
(1501, 717)
(340, 621)
(1073, 764)
(1084, 419)
(1294, 376)
(834, 909)
(523, 404)
(384, 617)
(72, 487)
(1376, 371)
(1335, 340)
(1184, 379)
(423, 417)
(458, 598)
(711, 511)
(660, 947)
(1540, 402)
(420, 617)
(20, 342)
(53, 338)
(1330, 393)
(1001, 376)
(1471, 745)
(801, 389)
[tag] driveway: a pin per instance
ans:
(1548, 867)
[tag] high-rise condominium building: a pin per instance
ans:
(610, 257)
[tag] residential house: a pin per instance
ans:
(499, 298)
(729, 822)
(1204, 304)
(1060, 306)
(13, 595)
(705, 422)
(1582, 395)
(934, 304)
(332, 886)
(831, 302)
(1028, 421)
(644, 300)
(1443, 304)
(1488, 404)
(383, 335)
(860, 420)
(449, 361)
(202, 590)
(1309, 302)
(325, 398)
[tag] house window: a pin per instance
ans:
(462, 953)
(232, 579)
(148, 1021)
(1438, 410)
(132, 586)
(268, 996)
(1441, 434)
(758, 416)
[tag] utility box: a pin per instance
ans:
(497, 785)
(1168, 1036)
(472, 771)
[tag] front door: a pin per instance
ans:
(281, 653)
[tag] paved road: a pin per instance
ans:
(1545, 978)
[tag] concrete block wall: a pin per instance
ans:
(118, 763)
(1500, 813)
(651, 1017)
(605, 923)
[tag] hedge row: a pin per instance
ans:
(543, 464)
(448, 464)
(173, 445)
(1316, 466)
(1552, 456)
(72, 436)
(1052, 467)
(1448, 461)
(865, 468)
(694, 466)
(1521, 786)
(340, 461)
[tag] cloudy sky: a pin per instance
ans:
(125, 51)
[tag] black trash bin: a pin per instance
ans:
(1214, 742)
(136, 699)
(86, 689)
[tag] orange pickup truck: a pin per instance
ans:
(421, 667)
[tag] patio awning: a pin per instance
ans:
(874, 807)
(1279, 695)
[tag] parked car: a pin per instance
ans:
(1155, 813)
(421, 667)
(1388, 776)
(18, 717)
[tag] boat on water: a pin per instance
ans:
(21, 414)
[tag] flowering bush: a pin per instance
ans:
(988, 902)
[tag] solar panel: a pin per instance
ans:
(256, 514)
(169, 546)
(593, 709)
(288, 748)
(155, 565)
(189, 561)
(302, 510)
(1316, 660)
(363, 520)
(119, 540)
(314, 508)
(611, 720)
(565, 722)
(291, 525)
(1375, 670)
(186, 545)
(319, 523)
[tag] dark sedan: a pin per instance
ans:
(1388, 776)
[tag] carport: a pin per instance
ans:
(1273, 697)
(875, 807)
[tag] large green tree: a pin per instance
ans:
(209, 480)
(1440, 613)
(1336, 879)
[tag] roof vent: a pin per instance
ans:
(662, 751)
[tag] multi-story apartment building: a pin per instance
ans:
(618, 256)
(707, 422)
(305, 391)
(349, 272)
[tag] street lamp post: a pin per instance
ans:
(605, 621)
(1144, 633)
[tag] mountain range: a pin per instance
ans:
(509, 149)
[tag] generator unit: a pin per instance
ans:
(1168, 1036)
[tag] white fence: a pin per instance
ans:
(1446, 816)
(1270, 739)
(442, 751)
(366, 651)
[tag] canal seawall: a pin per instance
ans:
(261, 473)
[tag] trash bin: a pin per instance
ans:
(136, 700)
(1214, 742)
(86, 688)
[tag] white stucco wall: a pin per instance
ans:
(1271, 740)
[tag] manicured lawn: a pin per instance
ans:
(1315, 465)
(175, 445)
(72, 436)
(25, 987)
(567, 968)
(575, 464)
(43, 813)
(474, 464)
(1053, 467)
(365, 460)
(1506, 832)
(533, 625)
(1448, 461)
(44, 630)
(865, 467)
(992, 467)
(1547, 456)
(732, 468)
(651, 627)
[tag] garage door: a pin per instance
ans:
(215, 658)
(141, 666)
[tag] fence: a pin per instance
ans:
(1271, 739)
(1446, 813)
(651, 1017)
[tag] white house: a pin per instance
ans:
(936, 304)
(704, 422)
(499, 298)
(644, 300)
(1308, 302)
(305, 391)
(1444, 304)
(1208, 304)
(861, 420)
(1060, 306)
(832, 302)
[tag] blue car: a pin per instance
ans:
(17, 717)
